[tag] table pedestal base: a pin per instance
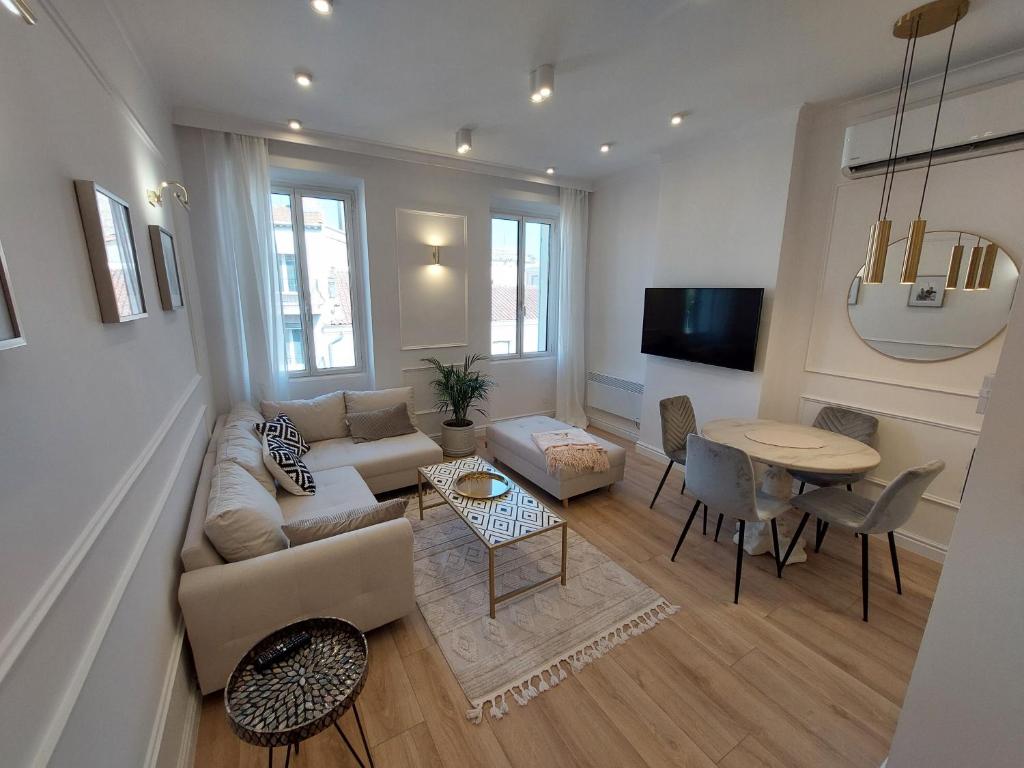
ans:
(757, 539)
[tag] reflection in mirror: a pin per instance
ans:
(927, 321)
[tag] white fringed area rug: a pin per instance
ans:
(537, 638)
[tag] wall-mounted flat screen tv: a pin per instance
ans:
(715, 326)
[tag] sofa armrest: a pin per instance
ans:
(364, 576)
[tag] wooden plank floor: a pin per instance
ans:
(790, 677)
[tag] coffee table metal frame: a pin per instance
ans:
(451, 499)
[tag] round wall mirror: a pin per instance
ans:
(926, 320)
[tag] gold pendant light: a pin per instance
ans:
(953, 272)
(915, 239)
(988, 266)
(974, 267)
(878, 244)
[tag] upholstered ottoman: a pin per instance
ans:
(512, 444)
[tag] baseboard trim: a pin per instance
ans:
(156, 737)
(67, 699)
(187, 755)
(928, 548)
(615, 429)
(21, 632)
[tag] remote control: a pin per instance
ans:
(281, 650)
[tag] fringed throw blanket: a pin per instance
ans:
(572, 449)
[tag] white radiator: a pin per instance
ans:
(618, 396)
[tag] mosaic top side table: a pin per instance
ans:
(299, 696)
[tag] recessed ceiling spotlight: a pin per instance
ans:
(550, 170)
(295, 125)
(323, 7)
(606, 148)
(677, 118)
(305, 79)
(20, 8)
(542, 83)
(463, 140)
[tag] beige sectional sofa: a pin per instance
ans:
(364, 575)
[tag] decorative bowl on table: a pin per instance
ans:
(482, 485)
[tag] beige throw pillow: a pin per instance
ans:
(321, 418)
(376, 425)
(374, 400)
(325, 525)
(242, 519)
(238, 443)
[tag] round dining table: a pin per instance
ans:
(781, 447)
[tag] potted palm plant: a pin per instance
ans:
(458, 388)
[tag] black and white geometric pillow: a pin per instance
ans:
(287, 468)
(284, 430)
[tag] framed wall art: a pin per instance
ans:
(11, 333)
(168, 276)
(109, 239)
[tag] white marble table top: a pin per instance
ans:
(837, 453)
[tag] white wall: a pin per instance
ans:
(623, 246)
(926, 410)
(102, 426)
(385, 186)
(965, 702)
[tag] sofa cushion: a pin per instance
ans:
(239, 443)
(243, 413)
(380, 457)
(242, 519)
(320, 418)
(196, 550)
(516, 436)
(374, 400)
(287, 468)
(281, 427)
(384, 422)
(307, 529)
(337, 489)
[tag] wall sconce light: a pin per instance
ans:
(156, 196)
(435, 254)
(20, 8)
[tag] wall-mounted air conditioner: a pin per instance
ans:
(973, 125)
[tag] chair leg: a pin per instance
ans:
(849, 487)
(662, 483)
(820, 538)
(795, 539)
(775, 546)
(686, 529)
(802, 484)
(683, 489)
(704, 530)
(739, 560)
(895, 563)
(864, 572)
(718, 525)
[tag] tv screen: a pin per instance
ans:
(716, 326)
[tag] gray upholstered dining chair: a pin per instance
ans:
(722, 478)
(842, 421)
(863, 516)
(677, 421)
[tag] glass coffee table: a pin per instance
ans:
(498, 522)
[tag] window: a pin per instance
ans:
(318, 299)
(520, 278)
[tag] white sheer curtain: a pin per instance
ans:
(572, 289)
(252, 359)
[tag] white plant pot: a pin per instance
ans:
(458, 441)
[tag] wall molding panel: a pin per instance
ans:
(21, 632)
(892, 414)
(82, 668)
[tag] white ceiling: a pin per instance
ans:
(410, 72)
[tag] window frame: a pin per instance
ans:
(551, 327)
(349, 197)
